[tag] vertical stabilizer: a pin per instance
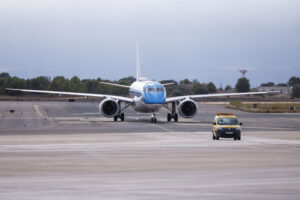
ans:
(138, 67)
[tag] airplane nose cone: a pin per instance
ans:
(154, 98)
(154, 93)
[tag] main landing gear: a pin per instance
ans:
(121, 116)
(172, 115)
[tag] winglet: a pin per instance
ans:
(138, 67)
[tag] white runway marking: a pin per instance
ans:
(84, 119)
(157, 140)
(73, 122)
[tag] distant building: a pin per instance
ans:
(188, 86)
(282, 89)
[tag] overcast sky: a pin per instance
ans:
(208, 40)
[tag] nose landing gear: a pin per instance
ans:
(153, 118)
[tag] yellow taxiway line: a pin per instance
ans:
(37, 110)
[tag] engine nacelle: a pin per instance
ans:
(188, 108)
(109, 107)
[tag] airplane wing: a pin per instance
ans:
(179, 98)
(124, 99)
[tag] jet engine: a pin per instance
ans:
(187, 108)
(109, 107)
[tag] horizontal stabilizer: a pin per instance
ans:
(166, 84)
(114, 84)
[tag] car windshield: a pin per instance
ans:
(227, 121)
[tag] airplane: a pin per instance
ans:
(145, 96)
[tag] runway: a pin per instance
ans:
(62, 150)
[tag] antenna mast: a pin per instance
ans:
(243, 71)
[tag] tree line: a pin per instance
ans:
(75, 84)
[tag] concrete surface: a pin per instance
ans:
(60, 150)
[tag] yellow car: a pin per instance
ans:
(226, 125)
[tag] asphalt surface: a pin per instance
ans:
(62, 150)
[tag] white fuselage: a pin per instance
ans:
(149, 96)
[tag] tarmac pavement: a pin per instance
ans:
(62, 150)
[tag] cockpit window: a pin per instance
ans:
(153, 89)
(159, 90)
(150, 89)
